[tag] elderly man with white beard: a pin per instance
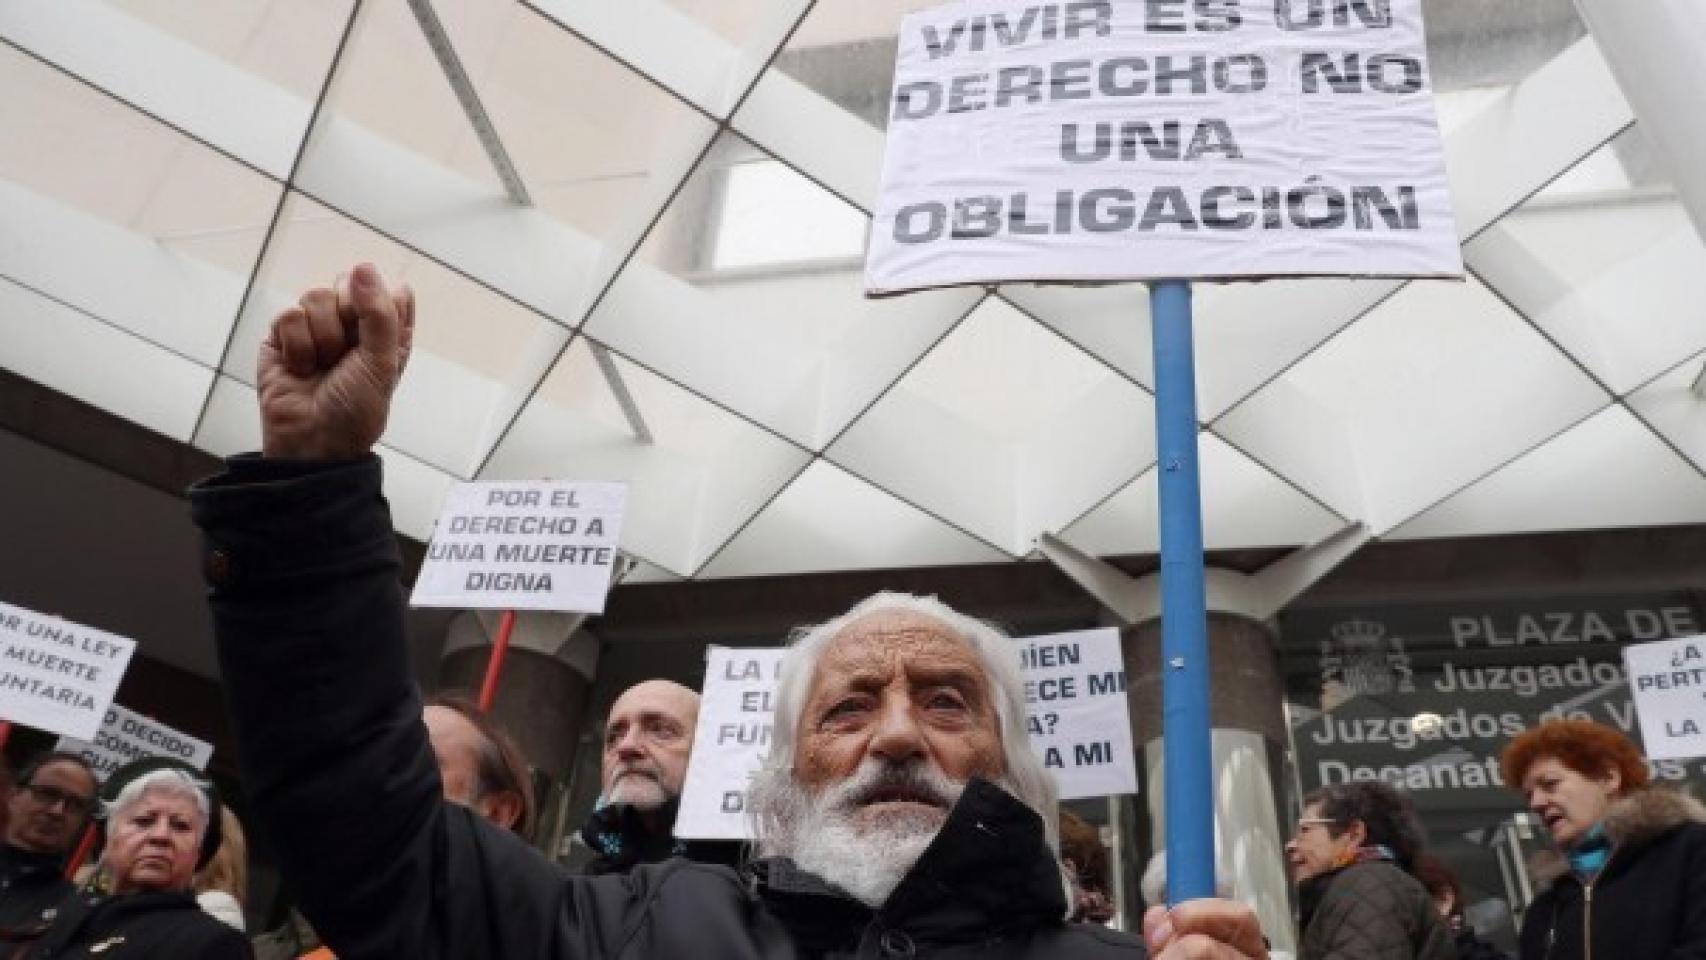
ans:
(900, 813)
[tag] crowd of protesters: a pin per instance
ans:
(899, 813)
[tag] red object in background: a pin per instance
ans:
(495, 665)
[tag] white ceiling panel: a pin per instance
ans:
(1243, 505)
(1604, 261)
(1675, 405)
(701, 477)
(828, 519)
(1003, 429)
(714, 300)
(99, 364)
(1608, 471)
(1434, 388)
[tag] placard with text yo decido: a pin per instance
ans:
(1106, 140)
(524, 546)
(126, 735)
(1668, 680)
(57, 675)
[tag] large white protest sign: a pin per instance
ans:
(1668, 680)
(1075, 707)
(730, 742)
(126, 735)
(1093, 140)
(524, 546)
(56, 675)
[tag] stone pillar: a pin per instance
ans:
(541, 697)
(1246, 693)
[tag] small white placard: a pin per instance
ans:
(1094, 140)
(57, 675)
(1075, 705)
(730, 743)
(524, 546)
(126, 735)
(1075, 711)
(1668, 681)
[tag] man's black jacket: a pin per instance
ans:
(32, 886)
(621, 839)
(308, 614)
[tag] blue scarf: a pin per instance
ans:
(1589, 854)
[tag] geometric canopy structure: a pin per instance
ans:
(636, 230)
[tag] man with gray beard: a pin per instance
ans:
(900, 812)
(648, 739)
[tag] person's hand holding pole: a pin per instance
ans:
(329, 365)
(1204, 930)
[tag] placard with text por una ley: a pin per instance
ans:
(57, 675)
(524, 546)
(1075, 710)
(1106, 140)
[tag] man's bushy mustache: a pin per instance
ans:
(880, 782)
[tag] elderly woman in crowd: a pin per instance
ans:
(1352, 857)
(1632, 879)
(160, 827)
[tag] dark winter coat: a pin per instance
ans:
(1648, 901)
(1470, 946)
(620, 840)
(1370, 911)
(309, 618)
(32, 885)
(139, 926)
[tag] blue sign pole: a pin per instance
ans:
(1187, 755)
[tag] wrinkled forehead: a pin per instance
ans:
(655, 698)
(881, 645)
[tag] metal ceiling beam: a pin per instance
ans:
(619, 389)
(1259, 596)
(1700, 383)
(439, 40)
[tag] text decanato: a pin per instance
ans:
(1094, 140)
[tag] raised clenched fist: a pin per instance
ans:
(329, 365)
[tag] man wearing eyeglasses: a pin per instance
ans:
(647, 739)
(46, 812)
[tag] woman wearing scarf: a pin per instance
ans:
(1632, 878)
(1351, 857)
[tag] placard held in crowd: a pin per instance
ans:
(57, 675)
(1075, 709)
(126, 735)
(1668, 680)
(1170, 139)
(733, 737)
(524, 546)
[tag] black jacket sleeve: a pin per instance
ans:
(308, 614)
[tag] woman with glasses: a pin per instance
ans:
(1351, 857)
(1632, 878)
(161, 824)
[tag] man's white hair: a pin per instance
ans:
(774, 808)
(170, 782)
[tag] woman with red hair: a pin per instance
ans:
(1632, 879)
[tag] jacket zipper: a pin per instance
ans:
(1587, 922)
(1587, 906)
